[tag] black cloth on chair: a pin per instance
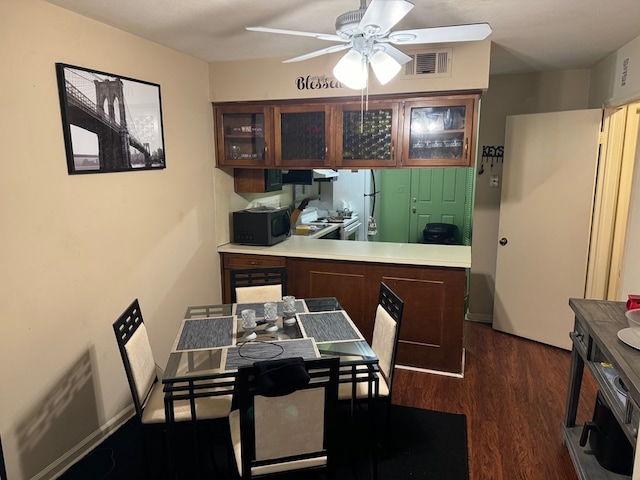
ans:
(276, 378)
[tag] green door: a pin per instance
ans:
(437, 195)
(409, 199)
(392, 203)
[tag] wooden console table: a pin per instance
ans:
(596, 345)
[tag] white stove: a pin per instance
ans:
(349, 226)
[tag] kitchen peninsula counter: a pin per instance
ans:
(431, 279)
(380, 252)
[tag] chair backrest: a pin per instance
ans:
(386, 331)
(291, 431)
(137, 357)
(258, 285)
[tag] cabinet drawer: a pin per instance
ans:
(232, 260)
(580, 338)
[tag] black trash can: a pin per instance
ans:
(441, 233)
(607, 440)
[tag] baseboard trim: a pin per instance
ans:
(480, 317)
(66, 461)
(436, 372)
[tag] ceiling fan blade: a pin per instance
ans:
(320, 36)
(393, 52)
(317, 53)
(454, 33)
(382, 15)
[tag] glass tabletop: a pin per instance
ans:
(193, 359)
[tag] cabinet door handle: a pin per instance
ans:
(254, 262)
(466, 148)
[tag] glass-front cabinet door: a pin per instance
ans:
(244, 136)
(367, 134)
(439, 132)
(302, 135)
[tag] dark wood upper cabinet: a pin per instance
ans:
(383, 132)
(303, 136)
(439, 132)
(244, 136)
(366, 138)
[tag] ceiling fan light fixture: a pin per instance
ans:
(351, 70)
(384, 66)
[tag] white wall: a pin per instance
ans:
(76, 250)
(630, 274)
(509, 95)
(266, 79)
(616, 79)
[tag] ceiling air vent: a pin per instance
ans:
(429, 64)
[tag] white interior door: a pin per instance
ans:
(545, 216)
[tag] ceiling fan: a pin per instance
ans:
(367, 34)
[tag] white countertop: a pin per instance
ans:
(378, 252)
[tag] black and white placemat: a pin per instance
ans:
(250, 352)
(329, 327)
(205, 333)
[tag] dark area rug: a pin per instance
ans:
(424, 445)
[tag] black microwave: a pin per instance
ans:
(261, 225)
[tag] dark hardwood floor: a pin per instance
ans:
(513, 394)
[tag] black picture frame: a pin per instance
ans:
(93, 104)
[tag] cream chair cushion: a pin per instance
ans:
(259, 293)
(207, 408)
(284, 426)
(384, 335)
(345, 390)
(143, 366)
(151, 396)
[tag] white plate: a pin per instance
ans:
(630, 338)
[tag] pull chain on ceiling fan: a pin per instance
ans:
(367, 33)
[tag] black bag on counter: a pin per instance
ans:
(442, 233)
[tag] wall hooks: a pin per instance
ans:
(492, 155)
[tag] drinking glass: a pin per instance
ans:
(289, 309)
(249, 323)
(271, 316)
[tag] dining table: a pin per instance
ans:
(210, 346)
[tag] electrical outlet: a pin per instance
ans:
(494, 181)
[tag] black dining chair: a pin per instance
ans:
(386, 332)
(286, 417)
(253, 285)
(147, 391)
(3, 469)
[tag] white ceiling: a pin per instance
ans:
(528, 35)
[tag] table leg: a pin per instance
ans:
(576, 371)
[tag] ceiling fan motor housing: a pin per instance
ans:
(347, 23)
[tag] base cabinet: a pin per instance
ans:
(234, 261)
(431, 330)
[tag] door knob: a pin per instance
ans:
(503, 241)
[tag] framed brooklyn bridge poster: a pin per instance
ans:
(110, 123)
